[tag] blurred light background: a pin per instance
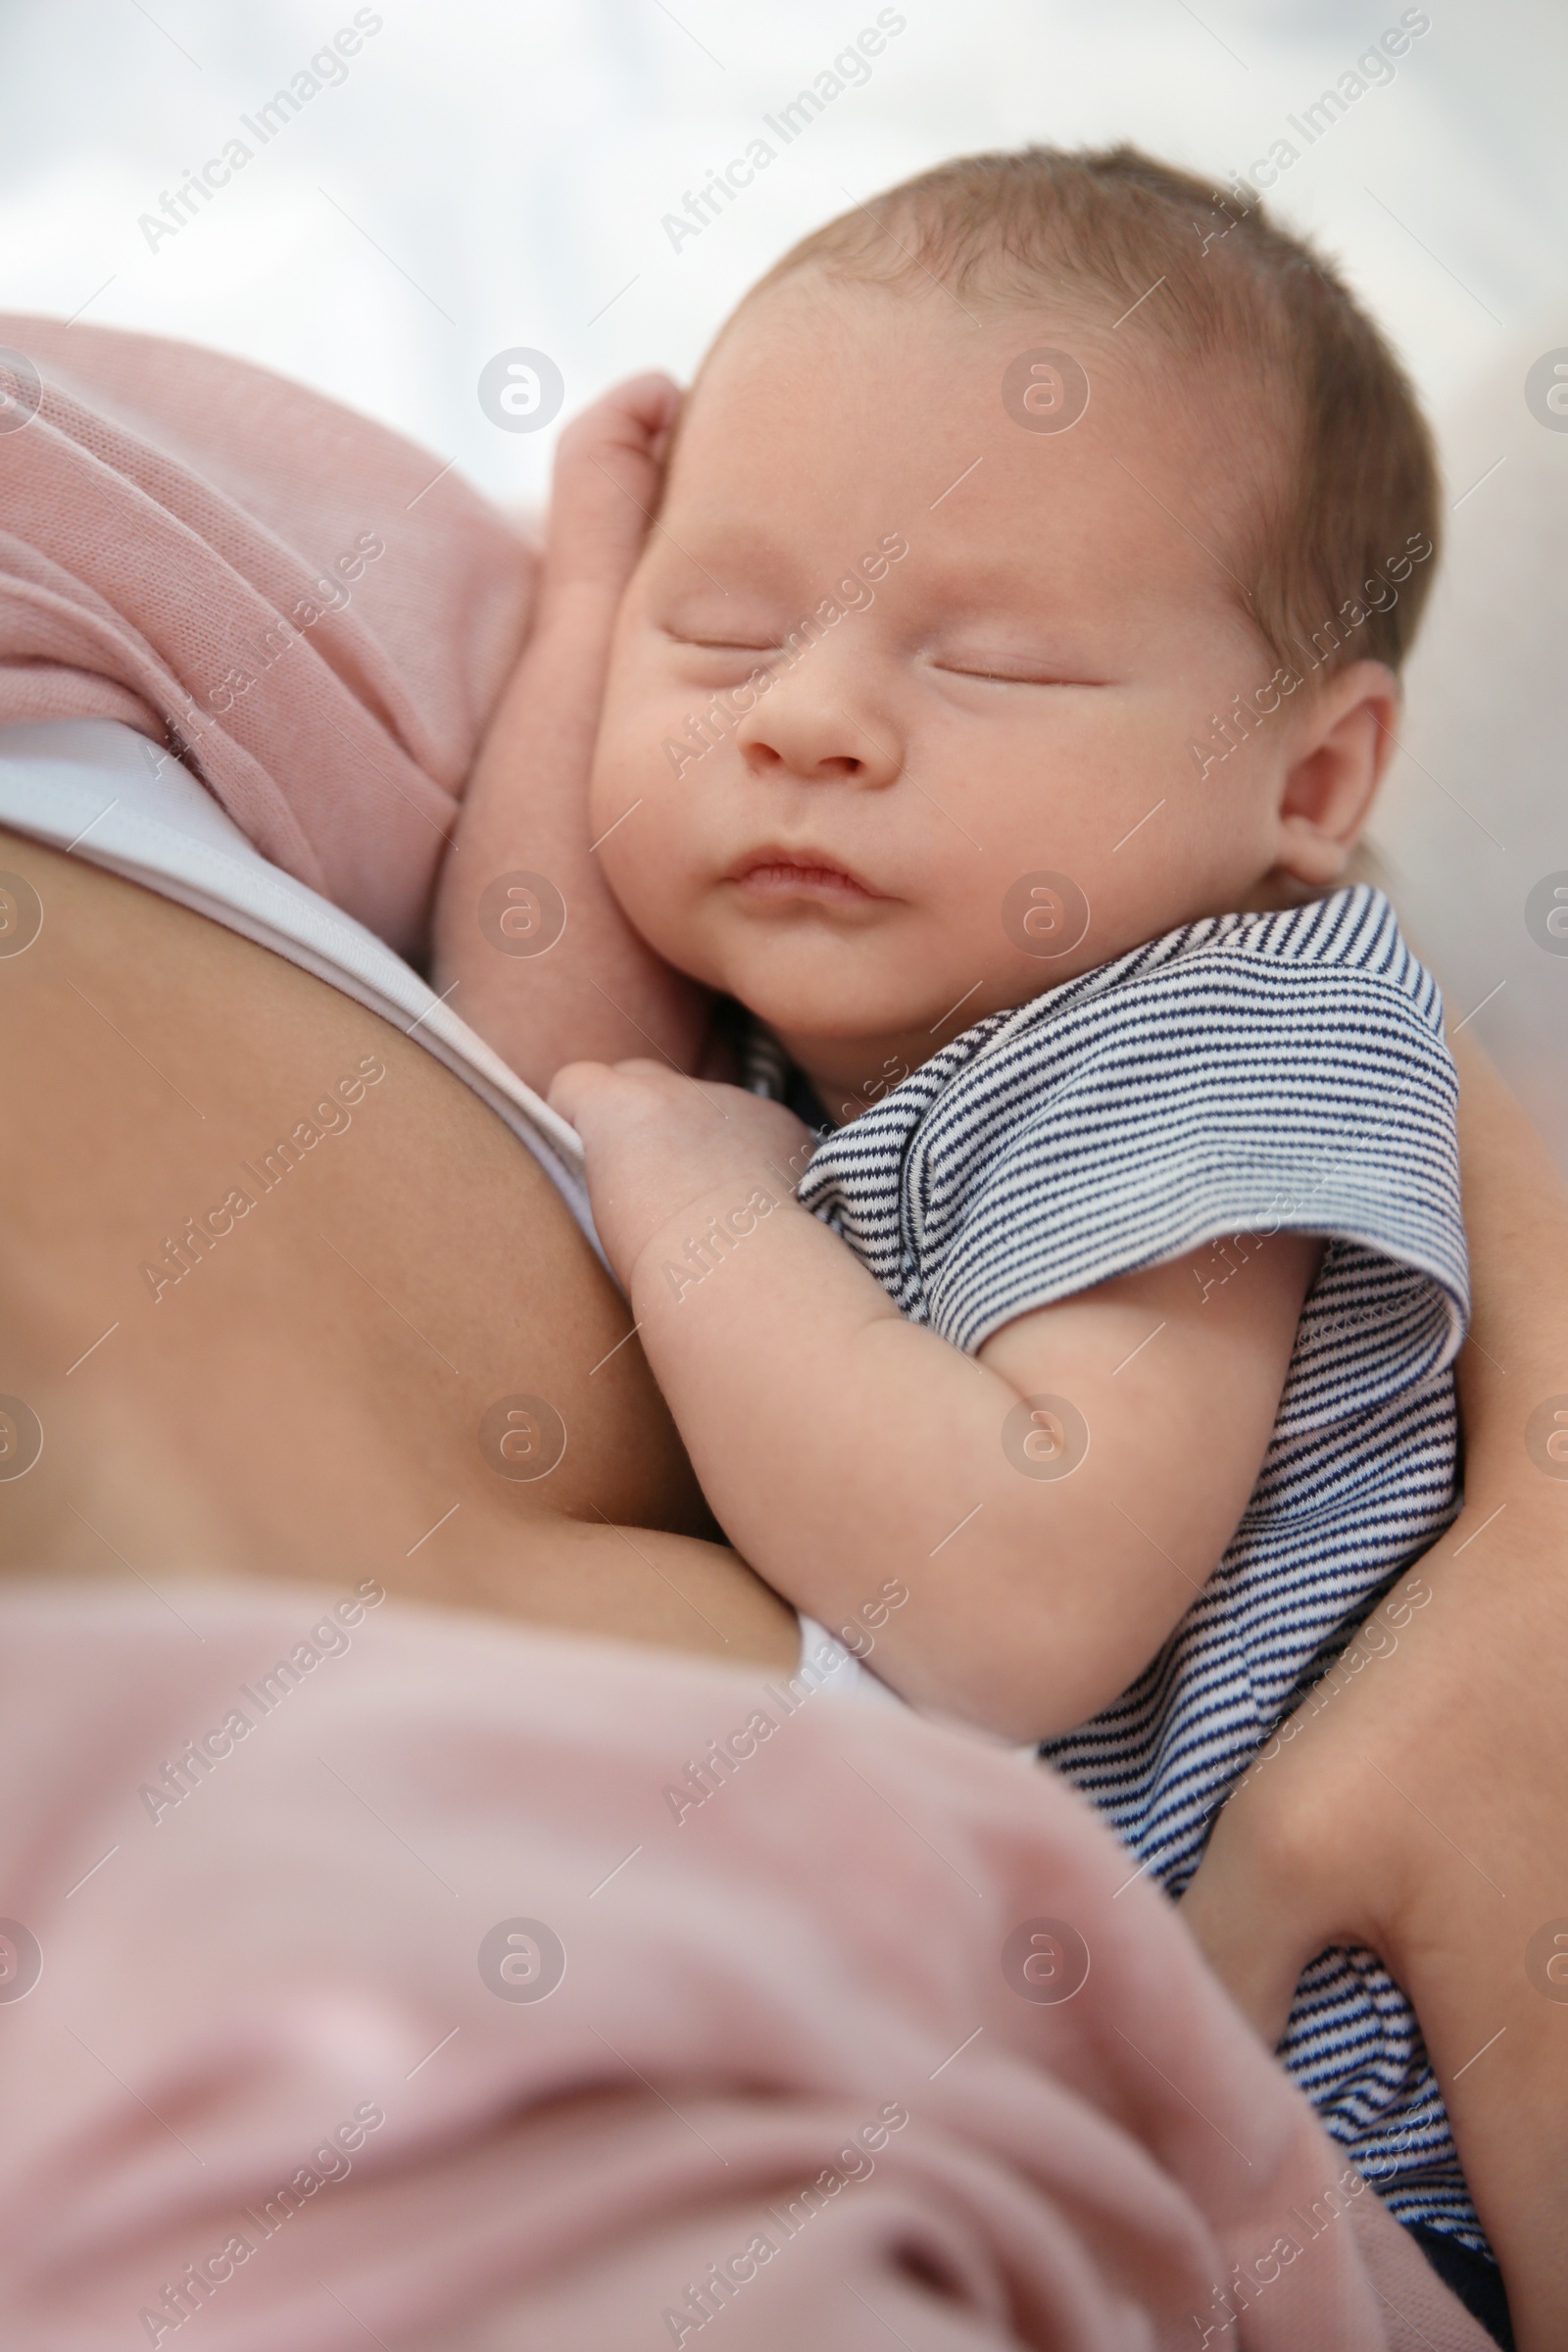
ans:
(494, 173)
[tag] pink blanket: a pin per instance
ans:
(370, 1976)
(314, 610)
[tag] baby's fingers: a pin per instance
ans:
(578, 1088)
(607, 477)
(638, 414)
(614, 1104)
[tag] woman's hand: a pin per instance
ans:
(1423, 1810)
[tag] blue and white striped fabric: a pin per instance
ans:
(1245, 1073)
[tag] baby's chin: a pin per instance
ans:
(810, 982)
(824, 1009)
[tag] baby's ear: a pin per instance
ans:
(1345, 737)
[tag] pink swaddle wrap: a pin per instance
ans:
(419, 2012)
(306, 602)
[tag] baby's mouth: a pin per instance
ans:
(799, 873)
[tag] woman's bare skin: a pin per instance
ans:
(306, 1401)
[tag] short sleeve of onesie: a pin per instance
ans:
(1245, 1074)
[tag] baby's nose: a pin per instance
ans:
(803, 731)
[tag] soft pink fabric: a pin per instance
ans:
(173, 522)
(226, 1978)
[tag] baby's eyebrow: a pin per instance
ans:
(733, 569)
(724, 545)
(981, 581)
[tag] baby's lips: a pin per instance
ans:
(783, 872)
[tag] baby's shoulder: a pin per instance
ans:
(1292, 979)
(1351, 930)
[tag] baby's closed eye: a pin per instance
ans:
(724, 645)
(712, 662)
(1003, 670)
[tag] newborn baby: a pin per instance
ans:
(987, 721)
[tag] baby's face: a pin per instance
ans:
(1011, 637)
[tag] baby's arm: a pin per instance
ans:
(595, 987)
(840, 1445)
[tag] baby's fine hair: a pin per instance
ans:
(1334, 559)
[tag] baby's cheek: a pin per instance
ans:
(643, 824)
(642, 747)
(614, 749)
(649, 787)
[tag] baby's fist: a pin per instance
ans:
(609, 474)
(658, 1145)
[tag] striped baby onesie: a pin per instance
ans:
(1245, 1073)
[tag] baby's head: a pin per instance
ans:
(1038, 553)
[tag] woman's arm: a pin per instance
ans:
(1424, 1812)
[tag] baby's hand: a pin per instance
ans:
(658, 1143)
(608, 472)
(601, 987)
